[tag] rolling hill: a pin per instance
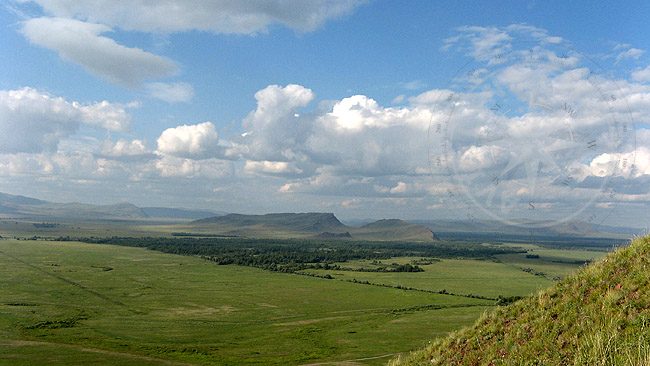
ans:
(598, 316)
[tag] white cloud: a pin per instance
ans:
(193, 141)
(124, 148)
(399, 188)
(619, 46)
(351, 203)
(171, 92)
(62, 166)
(271, 167)
(80, 42)
(32, 121)
(170, 166)
(483, 42)
(633, 53)
(274, 129)
(642, 75)
(354, 134)
(275, 102)
(221, 16)
(413, 85)
(358, 112)
(629, 165)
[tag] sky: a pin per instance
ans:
(423, 110)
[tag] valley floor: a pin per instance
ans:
(72, 303)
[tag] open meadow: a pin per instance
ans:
(117, 305)
(71, 302)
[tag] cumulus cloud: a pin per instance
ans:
(33, 121)
(190, 141)
(223, 16)
(274, 130)
(170, 92)
(81, 43)
(358, 112)
(629, 165)
(354, 134)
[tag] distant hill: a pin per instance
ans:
(397, 228)
(599, 316)
(313, 224)
(179, 213)
(31, 208)
(19, 200)
(20, 206)
(124, 209)
(573, 228)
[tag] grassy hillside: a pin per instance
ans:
(598, 316)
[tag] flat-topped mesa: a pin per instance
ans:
(310, 221)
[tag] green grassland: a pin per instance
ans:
(121, 305)
(458, 276)
(27, 228)
(66, 302)
(551, 262)
(507, 275)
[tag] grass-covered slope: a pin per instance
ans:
(599, 316)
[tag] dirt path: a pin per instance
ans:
(347, 362)
(16, 343)
(73, 283)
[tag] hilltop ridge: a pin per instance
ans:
(599, 315)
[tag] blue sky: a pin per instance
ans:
(274, 106)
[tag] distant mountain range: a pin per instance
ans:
(317, 225)
(26, 207)
(313, 225)
(550, 229)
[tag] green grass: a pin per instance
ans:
(598, 316)
(552, 262)
(116, 305)
(458, 276)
